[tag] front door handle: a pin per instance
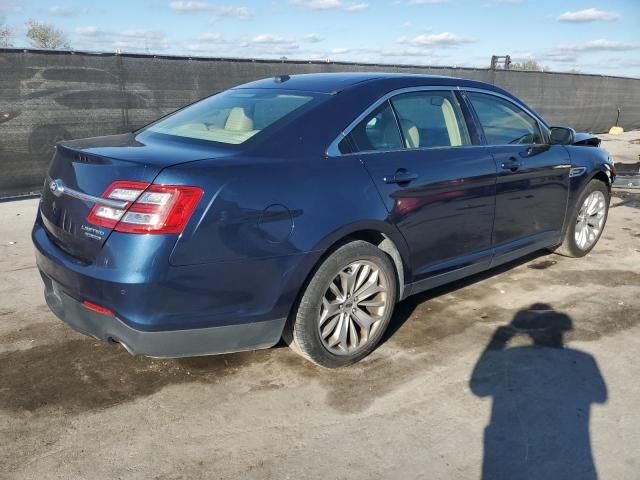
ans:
(512, 164)
(401, 176)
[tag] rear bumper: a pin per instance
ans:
(169, 343)
(162, 310)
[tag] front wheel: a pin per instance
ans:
(346, 306)
(587, 221)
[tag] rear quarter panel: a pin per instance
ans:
(271, 220)
(256, 207)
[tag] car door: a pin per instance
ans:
(437, 186)
(533, 177)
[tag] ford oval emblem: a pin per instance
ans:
(56, 187)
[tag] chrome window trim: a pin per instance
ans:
(333, 150)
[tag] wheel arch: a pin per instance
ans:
(577, 186)
(602, 176)
(384, 243)
(382, 235)
(392, 243)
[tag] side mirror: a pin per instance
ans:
(562, 136)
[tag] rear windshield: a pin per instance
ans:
(233, 116)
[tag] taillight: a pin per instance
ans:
(149, 208)
(160, 209)
(107, 216)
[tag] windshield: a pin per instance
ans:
(233, 116)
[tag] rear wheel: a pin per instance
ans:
(346, 306)
(587, 221)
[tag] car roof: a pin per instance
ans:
(333, 83)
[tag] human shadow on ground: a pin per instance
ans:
(542, 396)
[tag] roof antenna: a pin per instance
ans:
(281, 78)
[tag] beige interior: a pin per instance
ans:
(238, 121)
(412, 134)
(237, 128)
(452, 123)
(412, 137)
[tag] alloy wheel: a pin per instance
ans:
(353, 307)
(590, 220)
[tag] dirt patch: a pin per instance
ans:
(629, 199)
(542, 265)
(82, 375)
(610, 278)
(434, 316)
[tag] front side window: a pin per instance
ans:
(377, 132)
(430, 119)
(503, 122)
(233, 116)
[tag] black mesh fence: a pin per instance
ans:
(47, 96)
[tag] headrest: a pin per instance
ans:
(238, 121)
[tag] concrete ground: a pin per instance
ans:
(448, 390)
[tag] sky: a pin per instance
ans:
(601, 37)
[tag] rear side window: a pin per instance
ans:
(430, 119)
(233, 116)
(377, 132)
(503, 122)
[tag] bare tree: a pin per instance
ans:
(529, 65)
(6, 35)
(44, 35)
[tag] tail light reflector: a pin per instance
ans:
(149, 208)
(97, 308)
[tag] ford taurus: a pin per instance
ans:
(304, 207)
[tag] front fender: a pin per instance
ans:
(587, 163)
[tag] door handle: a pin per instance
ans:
(512, 164)
(401, 176)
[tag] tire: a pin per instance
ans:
(350, 268)
(571, 246)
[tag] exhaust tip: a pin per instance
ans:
(116, 341)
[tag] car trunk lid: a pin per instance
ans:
(82, 170)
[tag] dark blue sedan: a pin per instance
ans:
(304, 207)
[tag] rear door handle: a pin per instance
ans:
(401, 176)
(512, 164)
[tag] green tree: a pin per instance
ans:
(44, 35)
